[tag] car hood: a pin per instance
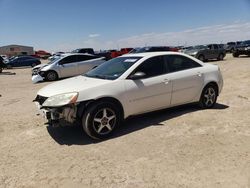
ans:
(75, 84)
(40, 66)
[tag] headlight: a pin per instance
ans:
(194, 53)
(61, 100)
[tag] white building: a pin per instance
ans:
(14, 50)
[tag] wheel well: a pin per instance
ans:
(86, 104)
(46, 72)
(214, 84)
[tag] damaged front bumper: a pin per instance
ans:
(55, 116)
(37, 75)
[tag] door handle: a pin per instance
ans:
(199, 74)
(166, 81)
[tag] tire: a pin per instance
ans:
(9, 67)
(235, 54)
(33, 64)
(1, 70)
(201, 58)
(51, 76)
(220, 57)
(100, 119)
(208, 96)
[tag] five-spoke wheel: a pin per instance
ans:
(100, 119)
(209, 96)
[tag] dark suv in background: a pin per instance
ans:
(206, 52)
(84, 51)
(242, 49)
(154, 49)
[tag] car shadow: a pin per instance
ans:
(76, 136)
(244, 56)
(7, 73)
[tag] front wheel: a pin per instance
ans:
(100, 120)
(51, 76)
(201, 58)
(208, 96)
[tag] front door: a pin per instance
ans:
(68, 66)
(152, 92)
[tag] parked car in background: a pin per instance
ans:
(84, 50)
(105, 53)
(242, 49)
(125, 50)
(129, 85)
(206, 52)
(42, 54)
(5, 58)
(230, 46)
(67, 65)
(2, 64)
(153, 49)
(23, 61)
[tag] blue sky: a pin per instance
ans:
(62, 25)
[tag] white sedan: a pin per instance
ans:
(129, 85)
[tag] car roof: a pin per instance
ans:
(69, 54)
(151, 54)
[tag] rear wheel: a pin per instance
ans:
(208, 96)
(51, 76)
(100, 119)
(220, 58)
(1, 70)
(201, 58)
(235, 54)
(9, 67)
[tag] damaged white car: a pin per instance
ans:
(129, 85)
(65, 65)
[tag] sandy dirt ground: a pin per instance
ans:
(179, 147)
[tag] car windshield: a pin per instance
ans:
(54, 59)
(113, 68)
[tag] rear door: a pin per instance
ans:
(215, 51)
(187, 78)
(68, 66)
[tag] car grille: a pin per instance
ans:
(40, 99)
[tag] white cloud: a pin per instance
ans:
(94, 35)
(209, 34)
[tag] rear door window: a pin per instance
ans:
(85, 57)
(178, 63)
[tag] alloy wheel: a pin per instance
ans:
(209, 96)
(104, 121)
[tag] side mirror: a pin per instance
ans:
(137, 76)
